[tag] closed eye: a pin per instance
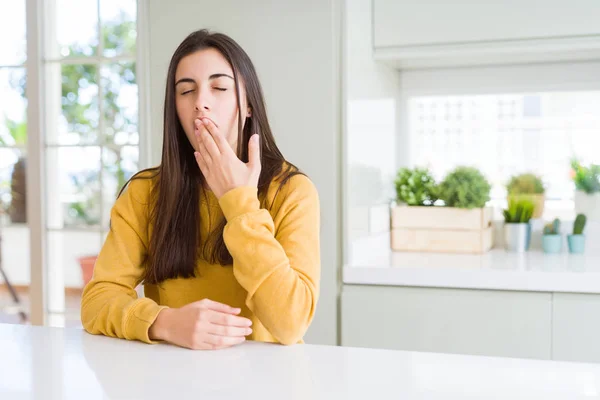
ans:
(221, 89)
(187, 91)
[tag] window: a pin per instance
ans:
(92, 140)
(92, 135)
(506, 134)
(14, 230)
(13, 107)
(90, 132)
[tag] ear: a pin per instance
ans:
(249, 113)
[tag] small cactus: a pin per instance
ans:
(552, 228)
(579, 224)
(556, 225)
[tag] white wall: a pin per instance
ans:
(295, 47)
(371, 92)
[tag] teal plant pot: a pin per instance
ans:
(552, 244)
(576, 243)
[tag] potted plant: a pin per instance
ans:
(465, 187)
(516, 225)
(528, 186)
(587, 189)
(576, 240)
(462, 225)
(552, 239)
(415, 187)
(87, 267)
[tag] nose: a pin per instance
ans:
(202, 101)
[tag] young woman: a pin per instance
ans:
(224, 233)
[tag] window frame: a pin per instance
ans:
(47, 287)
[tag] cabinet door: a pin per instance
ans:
(425, 22)
(576, 327)
(478, 322)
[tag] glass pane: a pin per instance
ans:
(13, 45)
(75, 36)
(14, 245)
(120, 103)
(70, 262)
(119, 165)
(507, 134)
(13, 107)
(76, 120)
(118, 19)
(12, 187)
(73, 186)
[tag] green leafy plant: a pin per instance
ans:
(17, 132)
(465, 187)
(518, 212)
(525, 184)
(586, 178)
(579, 224)
(552, 228)
(82, 212)
(415, 187)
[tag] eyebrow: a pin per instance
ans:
(213, 76)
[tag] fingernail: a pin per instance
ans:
(196, 154)
(248, 331)
(255, 137)
(205, 121)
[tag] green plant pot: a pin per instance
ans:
(576, 243)
(552, 243)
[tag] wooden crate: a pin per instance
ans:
(441, 229)
(441, 218)
(442, 240)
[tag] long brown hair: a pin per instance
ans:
(175, 242)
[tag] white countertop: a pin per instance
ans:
(54, 363)
(373, 263)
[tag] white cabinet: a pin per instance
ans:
(540, 325)
(478, 322)
(426, 22)
(430, 33)
(576, 327)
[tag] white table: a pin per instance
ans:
(54, 363)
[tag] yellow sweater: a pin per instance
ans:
(274, 278)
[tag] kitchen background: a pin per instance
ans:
(412, 118)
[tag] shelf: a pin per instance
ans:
(373, 263)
